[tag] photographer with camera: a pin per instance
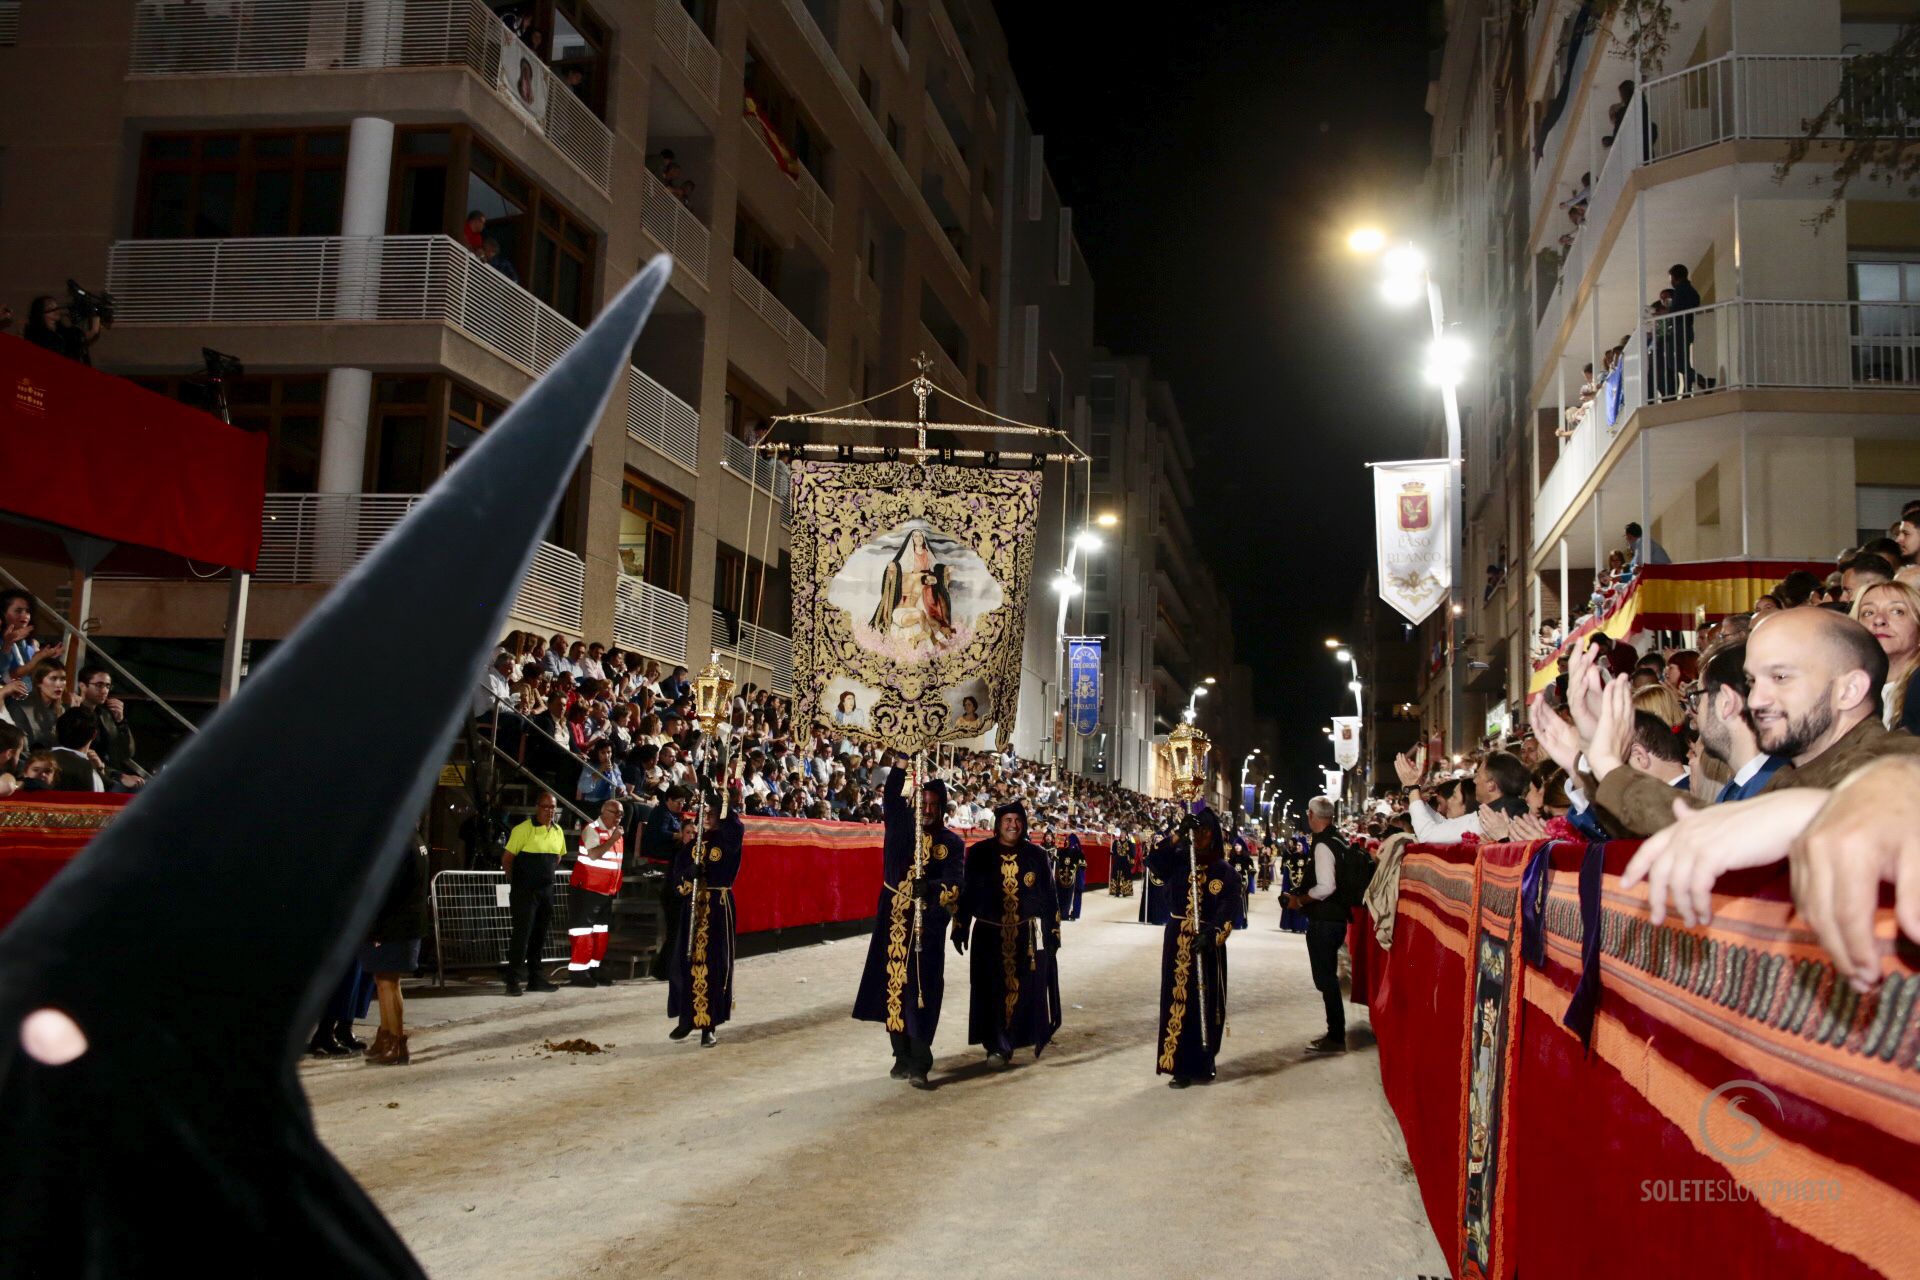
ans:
(69, 328)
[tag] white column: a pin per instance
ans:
(1566, 614)
(343, 441)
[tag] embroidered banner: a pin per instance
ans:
(1083, 683)
(910, 598)
(1333, 783)
(1410, 519)
(521, 80)
(1346, 741)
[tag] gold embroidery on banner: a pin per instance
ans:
(88, 819)
(702, 1015)
(897, 956)
(1010, 928)
(1177, 1007)
(1214, 886)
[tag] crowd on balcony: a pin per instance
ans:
(61, 327)
(1784, 733)
(57, 734)
(597, 722)
(666, 167)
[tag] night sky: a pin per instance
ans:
(1214, 157)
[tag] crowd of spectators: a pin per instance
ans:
(1786, 733)
(666, 167)
(599, 722)
(55, 733)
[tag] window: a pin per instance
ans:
(986, 282)
(893, 135)
(219, 185)
(402, 451)
(868, 94)
(469, 414)
(782, 112)
(765, 603)
(756, 250)
(1063, 259)
(653, 520)
(747, 411)
(551, 250)
(288, 408)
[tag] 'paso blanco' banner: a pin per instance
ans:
(1346, 741)
(1410, 520)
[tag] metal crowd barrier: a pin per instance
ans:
(472, 921)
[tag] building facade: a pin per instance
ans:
(843, 184)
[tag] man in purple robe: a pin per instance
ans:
(700, 979)
(1011, 907)
(1203, 897)
(922, 864)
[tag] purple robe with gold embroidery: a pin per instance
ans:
(902, 986)
(1011, 906)
(1193, 966)
(700, 977)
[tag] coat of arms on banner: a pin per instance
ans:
(1411, 517)
(910, 591)
(1416, 508)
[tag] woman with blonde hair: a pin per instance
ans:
(1662, 701)
(1891, 611)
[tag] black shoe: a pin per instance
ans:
(679, 1033)
(601, 975)
(918, 1079)
(539, 983)
(323, 1046)
(999, 1061)
(1327, 1044)
(581, 978)
(513, 986)
(709, 1038)
(899, 1071)
(344, 1037)
(1179, 1082)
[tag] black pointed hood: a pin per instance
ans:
(195, 940)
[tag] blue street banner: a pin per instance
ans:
(1083, 683)
(1249, 796)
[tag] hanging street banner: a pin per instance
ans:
(1411, 519)
(1346, 741)
(910, 599)
(1083, 683)
(1332, 782)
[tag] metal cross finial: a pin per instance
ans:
(922, 388)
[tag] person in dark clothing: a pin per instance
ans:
(700, 984)
(1011, 908)
(49, 326)
(1686, 300)
(1205, 894)
(1327, 919)
(392, 951)
(661, 840)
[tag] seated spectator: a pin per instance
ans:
(676, 686)
(576, 80)
(591, 665)
(113, 742)
(1890, 611)
(599, 781)
(554, 662)
(80, 768)
(13, 744)
(50, 325)
(491, 255)
(496, 689)
(579, 737)
(38, 714)
(17, 646)
(41, 772)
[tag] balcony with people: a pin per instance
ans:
(785, 161)
(543, 63)
(676, 188)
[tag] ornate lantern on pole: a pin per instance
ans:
(1187, 749)
(712, 690)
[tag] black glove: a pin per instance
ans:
(1187, 824)
(960, 941)
(924, 890)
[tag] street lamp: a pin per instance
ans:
(1239, 801)
(1198, 693)
(1407, 278)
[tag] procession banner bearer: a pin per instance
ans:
(1242, 860)
(1204, 891)
(1072, 864)
(591, 889)
(700, 989)
(923, 864)
(1010, 906)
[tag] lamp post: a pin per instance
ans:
(1199, 692)
(1406, 281)
(1239, 799)
(1066, 586)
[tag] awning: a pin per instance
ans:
(93, 454)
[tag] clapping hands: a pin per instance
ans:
(1411, 766)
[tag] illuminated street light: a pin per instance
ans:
(1086, 540)
(1343, 656)
(1447, 361)
(1366, 241)
(1354, 685)
(1332, 643)
(1106, 519)
(1208, 680)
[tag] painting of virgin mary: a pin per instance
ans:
(914, 592)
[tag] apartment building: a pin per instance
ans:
(843, 184)
(1778, 422)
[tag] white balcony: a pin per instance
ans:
(950, 40)
(944, 144)
(1770, 96)
(649, 619)
(675, 228)
(688, 47)
(371, 280)
(768, 650)
(304, 37)
(809, 197)
(9, 23)
(805, 353)
(769, 474)
(316, 538)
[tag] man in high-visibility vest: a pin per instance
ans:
(533, 850)
(591, 889)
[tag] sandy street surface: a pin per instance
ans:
(786, 1151)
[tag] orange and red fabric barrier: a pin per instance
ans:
(1727, 1107)
(40, 831)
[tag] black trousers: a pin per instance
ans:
(530, 899)
(671, 903)
(1324, 940)
(917, 1054)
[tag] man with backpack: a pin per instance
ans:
(1340, 878)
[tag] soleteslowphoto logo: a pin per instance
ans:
(1727, 1132)
(1732, 1132)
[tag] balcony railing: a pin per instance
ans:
(371, 279)
(804, 352)
(9, 23)
(650, 619)
(688, 46)
(675, 228)
(1744, 345)
(769, 473)
(810, 198)
(950, 40)
(768, 650)
(944, 144)
(282, 37)
(316, 538)
(1773, 96)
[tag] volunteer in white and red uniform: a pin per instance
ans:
(591, 889)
